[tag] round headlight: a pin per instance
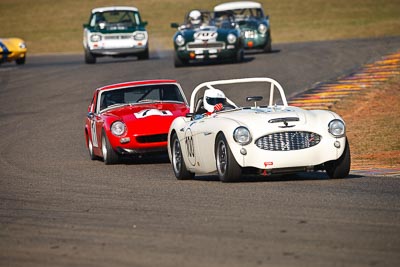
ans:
(337, 128)
(139, 36)
(242, 135)
(231, 38)
(22, 45)
(118, 128)
(179, 40)
(262, 28)
(95, 38)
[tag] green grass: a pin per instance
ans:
(56, 26)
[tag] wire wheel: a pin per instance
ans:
(227, 167)
(178, 163)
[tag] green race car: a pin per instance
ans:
(204, 38)
(253, 23)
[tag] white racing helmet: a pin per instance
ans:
(195, 17)
(213, 97)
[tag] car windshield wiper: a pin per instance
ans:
(148, 101)
(116, 105)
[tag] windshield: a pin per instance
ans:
(119, 18)
(139, 94)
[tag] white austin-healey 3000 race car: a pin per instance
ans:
(221, 136)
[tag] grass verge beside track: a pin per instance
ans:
(56, 26)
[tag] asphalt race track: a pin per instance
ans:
(59, 208)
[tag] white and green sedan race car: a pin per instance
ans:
(116, 31)
(262, 137)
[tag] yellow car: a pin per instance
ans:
(12, 49)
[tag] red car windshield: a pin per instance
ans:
(139, 94)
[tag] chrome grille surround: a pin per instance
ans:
(287, 141)
(205, 45)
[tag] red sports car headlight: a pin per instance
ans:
(118, 128)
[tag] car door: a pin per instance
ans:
(95, 125)
(199, 138)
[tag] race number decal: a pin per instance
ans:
(189, 143)
(94, 133)
(205, 35)
(152, 112)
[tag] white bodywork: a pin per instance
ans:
(113, 44)
(237, 5)
(197, 137)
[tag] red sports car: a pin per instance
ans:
(132, 118)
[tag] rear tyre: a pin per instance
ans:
(178, 163)
(109, 155)
(89, 57)
(227, 167)
(339, 168)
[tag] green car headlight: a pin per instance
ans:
(262, 28)
(179, 40)
(231, 38)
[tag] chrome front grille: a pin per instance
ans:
(117, 37)
(205, 45)
(287, 141)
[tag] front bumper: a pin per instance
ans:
(118, 51)
(207, 54)
(128, 145)
(256, 41)
(303, 158)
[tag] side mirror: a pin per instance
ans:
(255, 99)
(144, 23)
(174, 25)
(189, 115)
(85, 25)
(90, 115)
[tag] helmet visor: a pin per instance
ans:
(215, 100)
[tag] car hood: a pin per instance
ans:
(154, 118)
(279, 120)
(12, 44)
(206, 33)
(248, 24)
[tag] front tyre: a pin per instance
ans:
(89, 57)
(178, 163)
(20, 61)
(178, 62)
(227, 167)
(339, 168)
(144, 55)
(239, 56)
(109, 155)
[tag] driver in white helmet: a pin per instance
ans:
(214, 100)
(195, 18)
